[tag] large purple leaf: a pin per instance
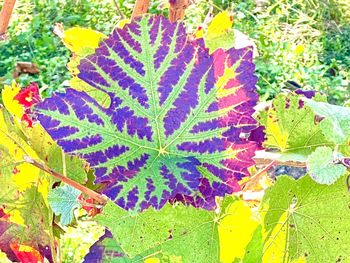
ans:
(177, 120)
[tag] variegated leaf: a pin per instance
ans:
(177, 122)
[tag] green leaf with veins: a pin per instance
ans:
(291, 127)
(74, 165)
(322, 167)
(316, 225)
(178, 231)
(336, 123)
(254, 249)
(36, 231)
(63, 201)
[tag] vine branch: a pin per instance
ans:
(177, 9)
(140, 8)
(5, 15)
(101, 199)
(120, 13)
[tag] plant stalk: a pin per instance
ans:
(5, 15)
(177, 9)
(140, 8)
(120, 13)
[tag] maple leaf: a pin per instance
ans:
(175, 120)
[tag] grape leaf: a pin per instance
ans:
(35, 230)
(174, 110)
(254, 249)
(74, 166)
(80, 49)
(63, 201)
(235, 230)
(106, 249)
(315, 222)
(185, 232)
(322, 167)
(220, 33)
(291, 127)
(336, 123)
(13, 147)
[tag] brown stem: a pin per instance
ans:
(121, 14)
(260, 161)
(5, 15)
(254, 180)
(96, 196)
(177, 9)
(140, 8)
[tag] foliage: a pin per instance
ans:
(165, 126)
(322, 167)
(296, 41)
(175, 119)
(31, 37)
(312, 217)
(63, 201)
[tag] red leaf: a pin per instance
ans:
(26, 254)
(29, 95)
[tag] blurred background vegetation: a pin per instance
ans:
(305, 41)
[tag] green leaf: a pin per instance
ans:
(322, 167)
(290, 126)
(315, 222)
(74, 166)
(178, 231)
(63, 201)
(336, 125)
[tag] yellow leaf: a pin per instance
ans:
(123, 22)
(299, 49)
(220, 25)
(199, 33)
(82, 41)
(24, 175)
(235, 231)
(15, 216)
(152, 260)
(280, 137)
(12, 105)
(275, 242)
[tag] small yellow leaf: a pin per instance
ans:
(299, 49)
(220, 25)
(12, 105)
(199, 33)
(82, 41)
(15, 216)
(122, 23)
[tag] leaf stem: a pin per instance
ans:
(120, 13)
(101, 199)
